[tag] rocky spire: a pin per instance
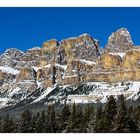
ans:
(119, 41)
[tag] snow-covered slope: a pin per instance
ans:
(90, 92)
(102, 91)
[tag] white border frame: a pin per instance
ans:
(69, 3)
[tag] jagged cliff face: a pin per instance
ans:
(120, 41)
(72, 61)
(82, 47)
(132, 59)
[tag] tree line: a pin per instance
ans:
(111, 118)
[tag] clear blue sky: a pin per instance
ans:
(24, 28)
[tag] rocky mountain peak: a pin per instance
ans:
(10, 57)
(82, 47)
(13, 53)
(52, 42)
(119, 41)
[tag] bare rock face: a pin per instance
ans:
(47, 83)
(81, 47)
(110, 61)
(71, 80)
(50, 44)
(83, 67)
(32, 54)
(6, 77)
(132, 59)
(119, 41)
(13, 54)
(36, 51)
(116, 76)
(26, 87)
(26, 74)
(69, 70)
(78, 70)
(10, 57)
(43, 61)
(43, 74)
(49, 47)
(22, 64)
(30, 58)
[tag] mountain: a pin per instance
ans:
(73, 70)
(119, 41)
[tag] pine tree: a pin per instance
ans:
(25, 126)
(47, 119)
(133, 119)
(87, 116)
(73, 120)
(99, 113)
(99, 120)
(110, 112)
(87, 113)
(17, 126)
(51, 126)
(0, 125)
(8, 125)
(120, 123)
(64, 118)
(132, 126)
(136, 117)
(79, 117)
(91, 124)
(43, 120)
(39, 126)
(33, 124)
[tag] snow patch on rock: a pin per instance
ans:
(87, 62)
(9, 70)
(120, 54)
(44, 94)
